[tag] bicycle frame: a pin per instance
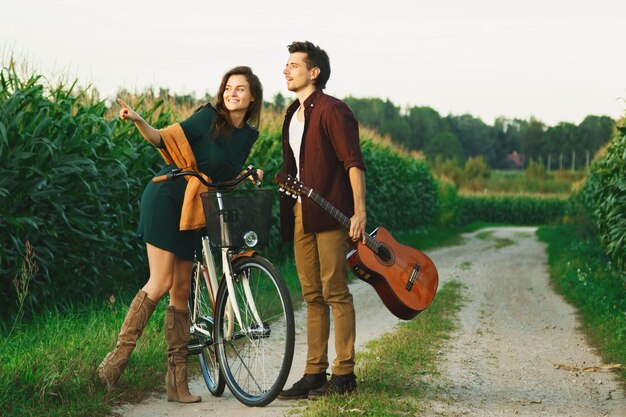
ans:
(205, 271)
(230, 335)
(208, 272)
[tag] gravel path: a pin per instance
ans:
(503, 361)
(514, 332)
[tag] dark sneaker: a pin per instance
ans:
(301, 388)
(337, 384)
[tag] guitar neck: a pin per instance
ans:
(340, 217)
(330, 209)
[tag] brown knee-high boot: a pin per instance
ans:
(177, 337)
(115, 362)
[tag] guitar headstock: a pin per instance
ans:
(291, 186)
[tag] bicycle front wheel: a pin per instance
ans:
(255, 356)
(202, 319)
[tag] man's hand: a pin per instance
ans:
(357, 226)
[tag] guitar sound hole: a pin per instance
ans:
(385, 255)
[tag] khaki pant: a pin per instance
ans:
(321, 266)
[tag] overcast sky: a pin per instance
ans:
(556, 60)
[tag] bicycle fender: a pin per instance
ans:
(245, 254)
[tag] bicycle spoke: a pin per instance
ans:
(202, 327)
(256, 361)
(246, 368)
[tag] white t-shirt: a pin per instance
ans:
(296, 131)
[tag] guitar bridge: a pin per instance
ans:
(412, 278)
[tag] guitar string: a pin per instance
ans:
(343, 219)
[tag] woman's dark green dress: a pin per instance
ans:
(220, 158)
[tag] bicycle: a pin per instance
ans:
(242, 325)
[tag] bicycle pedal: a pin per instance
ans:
(195, 347)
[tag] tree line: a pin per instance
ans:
(508, 144)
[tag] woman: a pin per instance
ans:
(215, 141)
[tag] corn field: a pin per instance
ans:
(604, 195)
(70, 180)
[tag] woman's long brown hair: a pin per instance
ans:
(223, 125)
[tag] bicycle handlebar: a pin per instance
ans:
(178, 172)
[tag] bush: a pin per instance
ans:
(536, 170)
(401, 191)
(476, 167)
(450, 169)
(475, 174)
(520, 209)
(450, 209)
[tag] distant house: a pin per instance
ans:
(514, 160)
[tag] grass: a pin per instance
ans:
(499, 242)
(581, 272)
(558, 182)
(397, 370)
(437, 236)
(47, 366)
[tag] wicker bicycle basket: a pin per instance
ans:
(238, 218)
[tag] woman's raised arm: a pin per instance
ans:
(147, 131)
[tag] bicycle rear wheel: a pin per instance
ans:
(255, 358)
(203, 340)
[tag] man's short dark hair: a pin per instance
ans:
(316, 57)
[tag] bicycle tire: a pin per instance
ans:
(255, 360)
(207, 357)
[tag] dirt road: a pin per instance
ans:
(513, 334)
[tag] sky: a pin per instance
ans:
(555, 60)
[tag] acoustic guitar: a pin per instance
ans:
(404, 278)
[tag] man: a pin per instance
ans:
(321, 147)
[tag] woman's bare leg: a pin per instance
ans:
(162, 269)
(179, 292)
